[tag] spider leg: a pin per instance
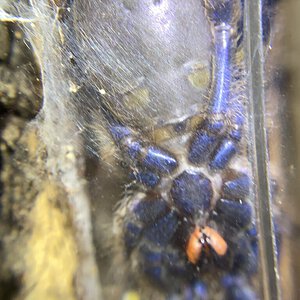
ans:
(150, 229)
(152, 220)
(232, 210)
(246, 253)
(234, 215)
(197, 220)
(237, 289)
(236, 188)
(216, 140)
(147, 160)
(164, 268)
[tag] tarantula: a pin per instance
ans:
(190, 218)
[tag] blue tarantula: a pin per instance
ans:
(190, 220)
(187, 225)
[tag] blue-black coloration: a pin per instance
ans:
(205, 140)
(163, 229)
(132, 235)
(215, 127)
(207, 137)
(221, 83)
(237, 188)
(148, 210)
(203, 143)
(147, 178)
(118, 132)
(191, 216)
(192, 192)
(233, 214)
(151, 264)
(219, 11)
(251, 234)
(133, 149)
(197, 291)
(236, 134)
(151, 257)
(176, 265)
(149, 159)
(200, 291)
(159, 160)
(180, 127)
(163, 268)
(246, 256)
(223, 155)
(237, 289)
